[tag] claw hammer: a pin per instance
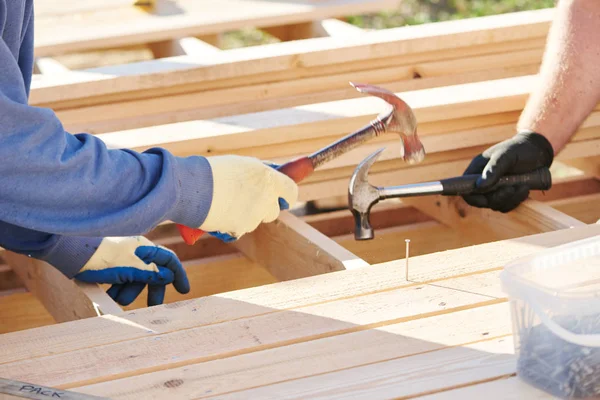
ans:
(362, 195)
(400, 120)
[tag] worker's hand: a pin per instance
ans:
(524, 152)
(246, 193)
(131, 263)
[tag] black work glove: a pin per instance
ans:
(524, 152)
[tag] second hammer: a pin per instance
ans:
(362, 195)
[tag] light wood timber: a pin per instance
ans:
(507, 58)
(320, 28)
(20, 311)
(126, 25)
(210, 276)
(274, 95)
(49, 66)
(65, 299)
(185, 46)
(8, 279)
(404, 339)
(484, 225)
(505, 388)
(336, 118)
(308, 252)
(281, 328)
(308, 56)
(432, 268)
(589, 165)
(400, 378)
(584, 208)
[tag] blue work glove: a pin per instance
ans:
(283, 205)
(131, 263)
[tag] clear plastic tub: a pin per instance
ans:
(555, 309)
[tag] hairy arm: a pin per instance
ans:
(569, 84)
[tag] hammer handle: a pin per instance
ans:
(539, 179)
(297, 170)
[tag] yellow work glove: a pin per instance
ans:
(131, 263)
(246, 193)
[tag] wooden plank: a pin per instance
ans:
(49, 66)
(20, 311)
(8, 278)
(290, 249)
(126, 25)
(589, 165)
(511, 388)
(584, 208)
(185, 46)
(211, 276)
(425, 238)
(280, 328)
(303, 57)
(245, 98)
(335, 118)
(401, 378)
(484, 225)
(316, 357)
(65, 299)
(73, 336)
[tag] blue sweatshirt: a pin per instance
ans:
(60, 191)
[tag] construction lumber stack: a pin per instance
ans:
(295, 293)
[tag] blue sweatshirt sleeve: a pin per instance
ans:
(68, 254)
(72, 184)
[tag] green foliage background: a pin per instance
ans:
(411, 12)
(414, 12)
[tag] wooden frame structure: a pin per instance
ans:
(467, 82)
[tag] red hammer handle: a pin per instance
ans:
(297, 170)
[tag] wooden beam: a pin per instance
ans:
(245, 336)
(49, 66)
(502, 388)
(588, 165)
(398, 46)
(484, 225)
(338, 28)
(190, 46)
(20, 311)
(584, 208)
(247, 98)
(408, 341)
(65, 300)
(8, 279)
(68, 338)
(290, 249)
(330, 119)
(96, 27)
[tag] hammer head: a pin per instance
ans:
(400, 119)
(362, 196)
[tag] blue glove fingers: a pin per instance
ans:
(283, 205)
(114, 290)
(223, 236)
(168, 260)
(126, 275)
(156, 295)
(129, 292)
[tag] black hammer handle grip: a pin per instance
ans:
(539, 179)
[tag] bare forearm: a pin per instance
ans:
(569, 84)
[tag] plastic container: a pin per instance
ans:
(555, 309)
